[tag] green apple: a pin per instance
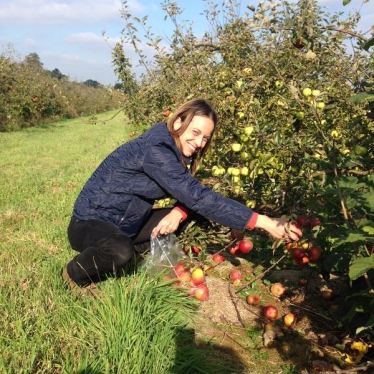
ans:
(307, 92)
(359, 150)
(235, 172)
(321, 105)
(236, 147)
(316, 93)
(236, 179)
(323, 122)
(244, 170)
(229, 170)
(244, 138)
(300, 115)
(247, 70)
(239, 84)
(241, 115)
(278, 84)
(334, 134)
(248, 130)
(244, 156)
(250, 203)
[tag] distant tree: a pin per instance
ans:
(56, 73)
(118, 86)
(33, 60)
(92, 83)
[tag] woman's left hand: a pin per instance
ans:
(168, 224)
(279, 228)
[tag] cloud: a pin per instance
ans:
(91, 40)
(29, 42)
(39, 12)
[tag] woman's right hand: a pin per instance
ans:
(168, 224)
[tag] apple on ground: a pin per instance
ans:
(270, 312)
(195, 249)
(253, 299)
(184, 277)
(198, 276)
(245, 246)
(217, 257)
(289, 319)
(180, 267)
(201, 292)
(236, 277)
(327, 294)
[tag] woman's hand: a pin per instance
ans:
(168, 224)
(279, 228)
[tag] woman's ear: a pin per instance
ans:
(177, 124)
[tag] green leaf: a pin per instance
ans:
(353, 237)
(369, 43)
(368, 229)
(360, 266)
(362, 97)
(346, 2)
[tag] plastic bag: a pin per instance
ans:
(164, 255)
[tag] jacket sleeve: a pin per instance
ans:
(162, 164)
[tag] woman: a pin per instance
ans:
(113, 213)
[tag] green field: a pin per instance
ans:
(139, 326)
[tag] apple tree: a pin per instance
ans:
(293, 138)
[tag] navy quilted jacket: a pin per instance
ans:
(124, 187)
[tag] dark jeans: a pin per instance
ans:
(105, 249)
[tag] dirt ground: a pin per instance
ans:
(237, 330)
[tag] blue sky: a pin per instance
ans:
(67, 34)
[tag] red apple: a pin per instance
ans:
(303, 221)
(245, 246)
(253, 299)
(297, 253)
(195, 249)
(315, 222)
(327, 294)
(289, 319)
(198, 276)
(167, 112)
(180, 267)
(217, 257)
(270, 312)
(315, 254)
(202, 292)
(184, 276)
(234, 250)
(303, 261)
(235, 275)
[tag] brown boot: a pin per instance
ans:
(91, 289)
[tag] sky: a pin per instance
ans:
(67, 34)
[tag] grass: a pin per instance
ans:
(140, 326)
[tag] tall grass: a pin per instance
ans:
(140, 326)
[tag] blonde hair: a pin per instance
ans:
(186, 112)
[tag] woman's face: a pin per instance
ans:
(196, 135)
